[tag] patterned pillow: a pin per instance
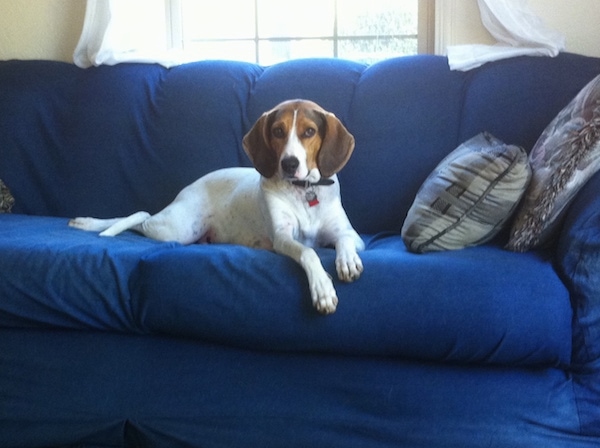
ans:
(468, 197)
(6, 199)
(565, 156)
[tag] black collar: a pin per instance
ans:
(306, 183)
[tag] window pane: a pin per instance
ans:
(378, 17)
(223, 19)
(308, 18)
(373, 50)
(271, 52)
(238, 50)
(366, 31)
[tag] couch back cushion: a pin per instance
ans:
(108, 141)
(111, 140)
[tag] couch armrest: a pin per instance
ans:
(578, 262)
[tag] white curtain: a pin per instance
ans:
(117, 31)
(518, 30)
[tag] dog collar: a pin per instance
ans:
(311, 194)
(307, 183)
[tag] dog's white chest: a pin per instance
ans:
(303, 211)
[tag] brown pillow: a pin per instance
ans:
(6, 199)
(563, 159)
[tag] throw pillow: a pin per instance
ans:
(563, 159)
(6, 199)
(468, 197)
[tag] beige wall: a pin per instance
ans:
(40, 29)
(458, 22)
(49, 29)
(578, 20)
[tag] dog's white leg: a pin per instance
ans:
(93, 224)
(164, 226)
(109, 227)
(324, 297)
(130, 222)
(347, 262)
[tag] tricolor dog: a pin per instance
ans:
(290, 203)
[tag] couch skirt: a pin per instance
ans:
(95, 389)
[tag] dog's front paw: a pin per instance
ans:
(349, 267)
(323, 294)
(326, 304)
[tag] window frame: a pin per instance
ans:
(425, 30)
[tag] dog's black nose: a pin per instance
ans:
(289, 165)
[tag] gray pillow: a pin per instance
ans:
(6, 199)
(469, 196)
(563, 159)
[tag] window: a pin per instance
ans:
(271, 31)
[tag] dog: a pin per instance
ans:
(289, 202)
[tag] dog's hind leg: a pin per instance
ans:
(175, 223)
(130, 222)
(109, 227)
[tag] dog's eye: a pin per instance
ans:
(310, 132)
(278, 132)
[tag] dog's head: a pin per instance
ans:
(298, 140)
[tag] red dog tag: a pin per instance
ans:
(311, 198)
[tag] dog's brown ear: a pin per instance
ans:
(336, 148)
(257, 146)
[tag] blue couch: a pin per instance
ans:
(128, 342)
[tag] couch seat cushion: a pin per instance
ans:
(478, 305)
(54, 276)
